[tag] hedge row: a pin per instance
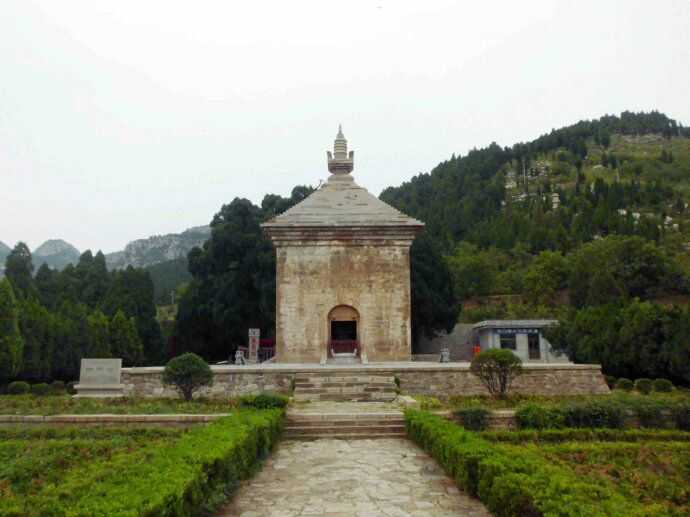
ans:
(264, 401)
(510, 484)
(175, 479)
(41, 389)
(41, 432)
(586, 435)
(644, 386)
(613, 413)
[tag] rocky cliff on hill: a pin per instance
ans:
(56, 253)
(158, 248)
(4, 251)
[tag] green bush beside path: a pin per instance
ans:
(552, 480)
(169, 476)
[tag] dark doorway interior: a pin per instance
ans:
(343, 330)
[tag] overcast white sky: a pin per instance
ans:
(123, 119)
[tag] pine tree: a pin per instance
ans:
(11, 341)
(19, 269)
(124, 339)
(37, 328)
(98, 339)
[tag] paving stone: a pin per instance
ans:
(367, 478)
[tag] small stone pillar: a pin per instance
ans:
(254, 337)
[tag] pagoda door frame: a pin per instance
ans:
(342, 312)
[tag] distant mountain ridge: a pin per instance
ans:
(4, 251)
(57, 253)
(158, 248)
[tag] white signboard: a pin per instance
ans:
(99, 372)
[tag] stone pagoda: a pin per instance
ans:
(343, 273)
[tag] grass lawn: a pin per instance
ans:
(515, 401)
(32, 460)
(655, 474)
(652, 474)
(65, 404)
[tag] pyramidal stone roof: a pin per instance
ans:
(341, 202)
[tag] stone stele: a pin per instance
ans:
(100, 378)
(343, 258)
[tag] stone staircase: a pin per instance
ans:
(344, 387)
(340, 425)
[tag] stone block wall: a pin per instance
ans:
(537, 379)
(441, 380)
(373, 279)
(227, 382)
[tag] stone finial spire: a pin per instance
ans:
(342, 162)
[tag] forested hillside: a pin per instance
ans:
(588, 224)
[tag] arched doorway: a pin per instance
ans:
(343, 332)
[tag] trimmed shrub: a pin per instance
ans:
(651, 415)
(586, 435)
(41, 389)
(511, 481)
(534, 416)
(187, 373)
(681, 416)
(264, 401)
(71, 387)
(57, 387)
(18, 388)
(474, 418)
(624, 384)
(662, 385)
(644, 386)
(594, 414)
(179, 478)
(497, 369)
(610, 381)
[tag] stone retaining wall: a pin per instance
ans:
(440, 380)
(109, 420)
(536, 380)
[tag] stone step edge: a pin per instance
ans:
(354, 429)
(348, 384)
(344, 390)
(344, 422)
(345, 416)
(372, 436)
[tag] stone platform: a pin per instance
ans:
(434, 379)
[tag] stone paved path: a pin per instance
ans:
(385, 477)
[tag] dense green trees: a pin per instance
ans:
(635, 339)
(233, 286)
(82, 311)
(11, 341)
(617, 267)
(434, 305)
